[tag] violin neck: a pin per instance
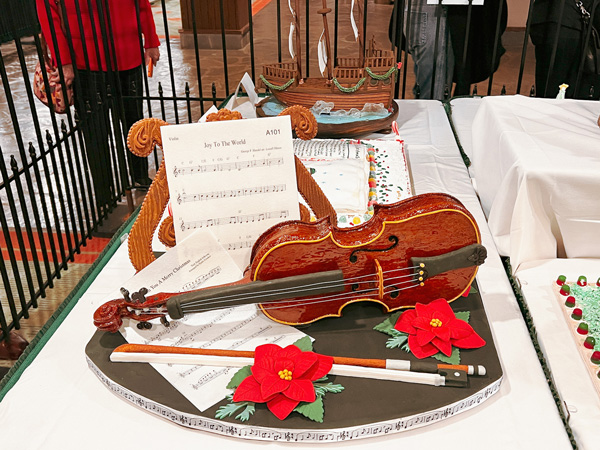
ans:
(255, 292)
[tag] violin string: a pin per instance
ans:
(295, 303)
(291, 304)
(299, 289)
(280, 304)
(288, 291)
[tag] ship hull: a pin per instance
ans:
(308, 93)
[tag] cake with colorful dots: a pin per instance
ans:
(356, 174)
(580, 302)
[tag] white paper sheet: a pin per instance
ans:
(200, 262)
(454, 2)
(237, 178)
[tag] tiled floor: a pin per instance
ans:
(238, 63)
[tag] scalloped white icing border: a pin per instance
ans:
(299, 435)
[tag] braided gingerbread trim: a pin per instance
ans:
(166, 232)
(141, 139)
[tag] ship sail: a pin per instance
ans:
(292, 30)
(322, 53)
(291, 40)
(353, 22)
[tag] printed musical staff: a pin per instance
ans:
(203, 196)
(227, 166)
(238, 245)
(201, 279)
(229, 220)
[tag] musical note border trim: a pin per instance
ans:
(289, 435)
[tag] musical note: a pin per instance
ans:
(238, 245)
(201, 279)
(248, 218)
(204, 196)
(228, 167)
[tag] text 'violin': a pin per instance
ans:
(414, 251)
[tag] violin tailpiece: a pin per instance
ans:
(469, 256)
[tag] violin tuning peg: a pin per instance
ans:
(165, 322)
(125, 294)
(147, 325)
(140, 296)
(141, 325)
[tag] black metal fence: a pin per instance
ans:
(62, 174)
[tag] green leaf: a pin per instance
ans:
(454, 358)
(463, 315)
(247, 412)
(239, 376)
(321, 389)
(388, 324)
(313, 411)
(304, 344)
(228, 410)
(405, 347)
(473, 290)
(397, 340)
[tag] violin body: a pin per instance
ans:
(424, 226)
(414, 251)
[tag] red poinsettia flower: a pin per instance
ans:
(434, 328)
(282, 378)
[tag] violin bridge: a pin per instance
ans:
(379, 279)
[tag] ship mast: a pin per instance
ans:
(361, 40)
(298, 57)
(324, 11)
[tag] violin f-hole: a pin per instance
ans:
(353, 256)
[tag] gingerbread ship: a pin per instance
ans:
(352, 83)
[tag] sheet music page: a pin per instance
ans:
(455, 2)
(237, 178)
(329, 149)
(199, 262)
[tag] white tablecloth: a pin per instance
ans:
(562, 356)
(59, 403)
(537, 168)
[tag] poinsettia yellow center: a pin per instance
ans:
(435, 323)
(285, 374)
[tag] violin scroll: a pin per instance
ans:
(109, 316)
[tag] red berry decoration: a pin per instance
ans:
(589, 343)
(582, 328)
(582, 281)
(596, 357)
(562, 279)
(570, 302)
(565, 289)
(577, 314)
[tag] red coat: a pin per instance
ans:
(123, 28)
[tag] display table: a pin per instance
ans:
(58, 402)
(567, 367)
(536, 167)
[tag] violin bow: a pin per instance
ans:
(421, 372)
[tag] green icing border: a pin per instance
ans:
(46, 332)
(536, 345)
(448, 109)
